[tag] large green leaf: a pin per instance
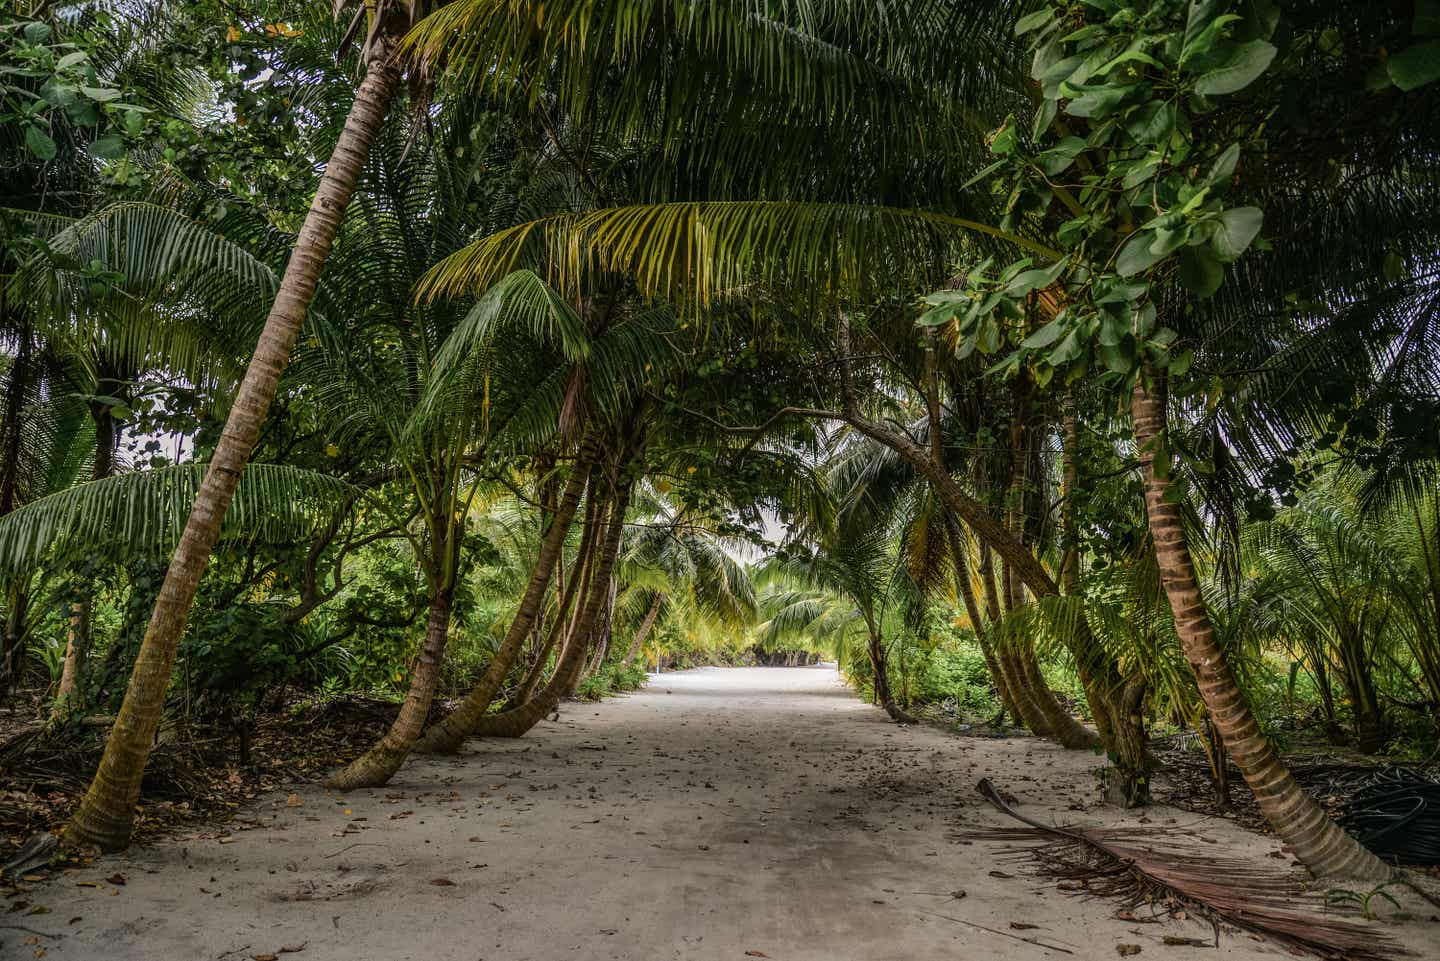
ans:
(1241, 70)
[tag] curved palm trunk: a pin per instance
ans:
(602, 644)
(447, 735)
(644, 630)
(564, 622)
(1011, 663)
(966, 590)
(880, 667)
(106, 816)
(519, 721)
(1020, 562)
(1316, 840)
(377, 765)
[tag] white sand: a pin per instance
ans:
(719, 814)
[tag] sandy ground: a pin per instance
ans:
(719, 814)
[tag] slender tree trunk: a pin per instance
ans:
(1117, 702)
(518, 722)
(602, 642)
(966, 590)
(564, 623)
(377, 765)
(963, 586)
(68, 697)
(12, 636)
(1025, 566)
(1316, 840)
(11, 438)
(880, 668)
(644, 630)
(1370, 727)
(77, 655)
(1011, 662)
(447, 735)
(107, 814)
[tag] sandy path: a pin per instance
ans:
(718, 812)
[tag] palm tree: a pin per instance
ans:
(133, 293)
(1324, 848)
(107, 814)
(859, 570)
(674, 558)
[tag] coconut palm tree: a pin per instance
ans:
(106, 816)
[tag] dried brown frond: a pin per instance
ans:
(1155, 868)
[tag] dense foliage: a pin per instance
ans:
(1028, 359)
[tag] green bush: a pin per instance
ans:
(612, 678)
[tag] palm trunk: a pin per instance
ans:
(1011, 663)
(602, 643)
(1316, 840)
(518, 722)
(447, 735)
(564, 623)
(68, 697)
(107, 814)
(966, 590)
(880, 668)
(12, 634)
(77, 655)
(377, 765)
(1117, 702)
(1359, 684)
(644, 631)
(1024, 566)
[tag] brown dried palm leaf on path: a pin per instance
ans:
(1155, 867)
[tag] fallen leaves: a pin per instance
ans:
(1125, 950)
(443, 883)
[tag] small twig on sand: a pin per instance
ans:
(357, 844)
(1004, 934)
(21, 927)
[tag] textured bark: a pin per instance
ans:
(377, 765)
(447, 735)
(518, 722)
(77, 655)
(106, 816)
(643, 631)
(1313, 838)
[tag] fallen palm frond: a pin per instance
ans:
(1150, 866)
